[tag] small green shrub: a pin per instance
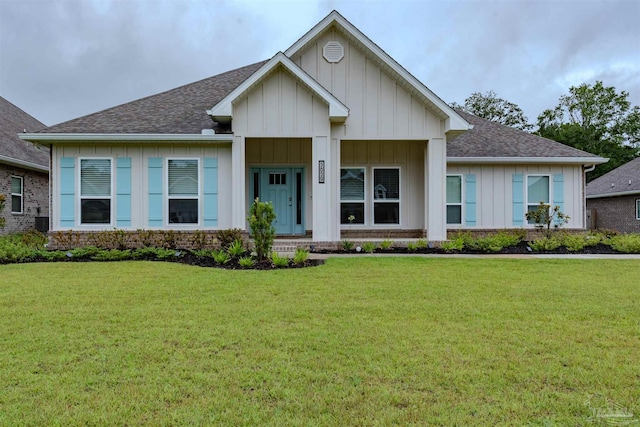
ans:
(573, 242)
(112, 255)
(227, 237)
(626, 243)
(146, 253)
(412, 246)
(386, 244)
(369, 247)
(453, 245)
(67, 239)
(85, 252)
(422, 244)
(205, 253)
(199, 239)
(246, 262)
(279, 261)
(236, 249)
(593, 239)
(221, 257)
(53, 255)
(545, 244)
(546, 216)
(261, 217)
(167, 254)
(301, 255)
(347, 245)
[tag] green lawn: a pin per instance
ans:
(357, 341)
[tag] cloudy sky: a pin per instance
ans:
(62, 59)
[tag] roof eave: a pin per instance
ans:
(527, 160)
(616, 194)
(61, 138)
(23, 164)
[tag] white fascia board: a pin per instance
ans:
(224, 109)
(619, 193)
(454, 121)
(52, 138)
(522, 160)
(23, 164)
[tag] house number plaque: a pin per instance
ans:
(321, 171)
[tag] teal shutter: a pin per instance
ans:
(210, 184)
(67, 192)
(123, 191)
(558, 191)
(518, 199)
(470, 200)
(155, 192)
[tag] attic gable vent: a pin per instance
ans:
(333, 51)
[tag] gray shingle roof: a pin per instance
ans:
(13, 121)
(625, 178)
(177, 111)
(491, 139)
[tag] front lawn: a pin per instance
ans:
(357, 341)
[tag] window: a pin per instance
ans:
(184, 191)
(638, 209)
(95, 191)
(537, 191)
(16, 194)
(454, 199)
(352, 196)
(386, 196)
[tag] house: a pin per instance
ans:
(24, 172)
(333, 131)
(614, 199)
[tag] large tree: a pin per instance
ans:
(597, 119)
(489, 106)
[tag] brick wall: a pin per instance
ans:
(616, 213)
(35, 195)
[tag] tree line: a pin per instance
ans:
(593, 118)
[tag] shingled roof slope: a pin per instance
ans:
(177, 111)
(491, 139)
(623, 179)
(13, 121)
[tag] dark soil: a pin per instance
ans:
(191, 259)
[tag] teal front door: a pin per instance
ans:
(283, 188)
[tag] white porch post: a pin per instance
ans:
(436, 198)
(335, 190)
(238, 197)
(322, 176)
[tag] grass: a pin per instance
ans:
(366, 341)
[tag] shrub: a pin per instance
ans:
(148, 253)
(456, 244)
(347, 245)
(386, 244)
(67, 239)
(261, 217)
(199, 239)
(421, 244)
(545, 216)
(412, 246)
(279, 261)
(574, 242)
(221, 257)
(112, 255)
(626, 243)
(84, 252)
(236, 249)
(33, 239)
(227, 237)
(246, 262)
(545, 244)
(369, 247)
(493, 243)
(301, 256)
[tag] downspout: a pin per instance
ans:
(585, 170)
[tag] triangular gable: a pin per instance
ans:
(223, 111)
(454, 122)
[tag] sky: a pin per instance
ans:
(62, 59)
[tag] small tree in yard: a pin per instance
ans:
(261, 217)
(545, 216)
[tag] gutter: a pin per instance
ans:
(522, 160)
(124, 137)
(619, 193)
(23, 164)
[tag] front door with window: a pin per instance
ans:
(283, 187)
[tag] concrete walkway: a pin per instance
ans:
(495, 256)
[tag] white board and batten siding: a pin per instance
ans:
(494, 192)
(379, 107)
(215, 169)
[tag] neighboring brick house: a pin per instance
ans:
(24, 172)
(614, 198)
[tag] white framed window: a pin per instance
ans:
(352, 195)
(538, 190)
(96, 190)
(454, 199)
(183, 191)
(637, 208)
(386, 196)
(17, 191)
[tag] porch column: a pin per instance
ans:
(238, 197)
(436, 197)
(335, 190)
(322, 176)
